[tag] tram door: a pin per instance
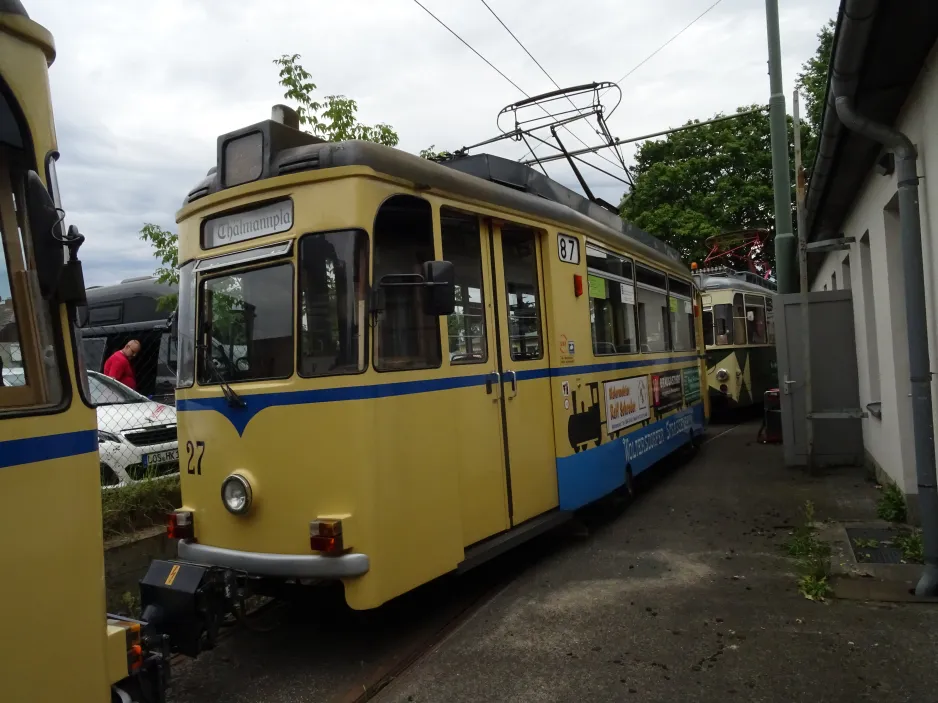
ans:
(530, 464)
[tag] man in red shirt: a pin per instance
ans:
(118, 364)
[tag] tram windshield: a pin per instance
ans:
(247, 322)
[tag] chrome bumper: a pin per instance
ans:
(279, 565)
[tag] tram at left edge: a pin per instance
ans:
(59, 643)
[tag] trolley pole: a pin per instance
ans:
(803, 280)
(784, 238)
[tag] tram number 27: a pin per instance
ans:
(569, 248)
(194, 454)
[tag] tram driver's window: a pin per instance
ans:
(405, 336)
(247, 322)
(739, 319)
(519, 255)
(333, 293)
(465, 328)
(12, 372)
(651, 297)
(723, 324)
(755, 318)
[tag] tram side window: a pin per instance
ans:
(519, 255)
(769, 320)
(651, 297)
(465, 328)
(612, 303)
(708, 327)
(247, 321)
(755, 318)
(683, 337)
(405, 336)
(739, 319)
(333, 291)
(723, 324)
(29, 370)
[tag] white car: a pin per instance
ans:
(136, 436)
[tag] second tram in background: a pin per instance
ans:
(739, 333)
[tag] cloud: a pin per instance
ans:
(142, 90)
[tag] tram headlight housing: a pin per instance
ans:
(236, 494)
(723, 375)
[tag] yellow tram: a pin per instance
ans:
(391, 369)
(739, 332)
(58, 646)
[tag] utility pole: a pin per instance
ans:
(803, 281)
(784, 237)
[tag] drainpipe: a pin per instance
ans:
(860, 12)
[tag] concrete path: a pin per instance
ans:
(687, 596)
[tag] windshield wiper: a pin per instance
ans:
(234, 400)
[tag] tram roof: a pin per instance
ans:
(733, 280)
(483, 177)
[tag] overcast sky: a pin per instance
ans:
(142, 90)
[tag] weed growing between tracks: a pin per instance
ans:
(812, 557)
(891, 504)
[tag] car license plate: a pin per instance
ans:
(163, 457)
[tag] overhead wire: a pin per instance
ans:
(551, 79)
(493, 66)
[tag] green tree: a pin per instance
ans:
(166, 249)
(335, 118)
(705, 181)
(812, 82)
(433, 155)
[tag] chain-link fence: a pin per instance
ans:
(131, 383)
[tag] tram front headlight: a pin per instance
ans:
(236, 494)
(723, 375)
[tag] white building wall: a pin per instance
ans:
(884, 370)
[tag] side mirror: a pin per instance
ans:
(440, 279)
(44, 219)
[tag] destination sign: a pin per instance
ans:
(248, 224)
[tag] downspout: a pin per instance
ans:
(860, 13)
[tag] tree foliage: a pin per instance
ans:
(812, 80)
(335, 118)
(705, 181)
(166, 249)
(433, 155)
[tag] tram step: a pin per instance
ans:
(499, 544)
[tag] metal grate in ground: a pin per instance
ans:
(875, 546)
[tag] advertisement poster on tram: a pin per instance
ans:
(666, 390)
(691, 378)
(626, 402)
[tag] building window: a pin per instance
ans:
(612, 302)
(681, 308)
(465, 328)
(833, 280)
(755, 319)
(406, 337)
(651, 297)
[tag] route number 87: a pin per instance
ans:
(569, 248)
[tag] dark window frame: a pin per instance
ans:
(374, 282)
(200, 293)
(616, 278)
(539, 297)
(365, 323)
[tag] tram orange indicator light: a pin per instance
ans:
(326, 536)
(577, 284)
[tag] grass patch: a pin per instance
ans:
(129, 508)
(891, 504)
(911, 546)
(812, 557)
